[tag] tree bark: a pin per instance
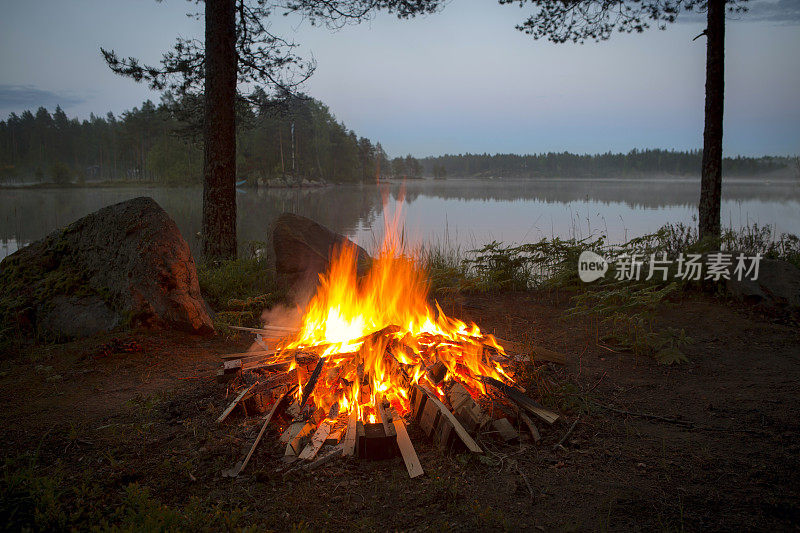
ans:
(711, 176)
(219, 132)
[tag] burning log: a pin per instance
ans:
(312, 382)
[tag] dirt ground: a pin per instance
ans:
(721, 450)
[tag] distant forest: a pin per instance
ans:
(292, 138)
(634, 163)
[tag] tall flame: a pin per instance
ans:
(380, 334)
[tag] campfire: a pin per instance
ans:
(371, 353)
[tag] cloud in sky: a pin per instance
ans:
(29, 96)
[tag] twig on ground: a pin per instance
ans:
(567, 434)
(684, 423)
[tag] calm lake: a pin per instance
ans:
(457, 212)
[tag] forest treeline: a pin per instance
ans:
(293, 138)
(565, 164)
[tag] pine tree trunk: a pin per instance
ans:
(219, 132)
(711, 177)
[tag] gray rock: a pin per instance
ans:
(124, 264)
(71, 316)
(302, 251)
(777, 288)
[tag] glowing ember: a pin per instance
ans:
(378, 336)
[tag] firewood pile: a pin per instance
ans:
(356, 398)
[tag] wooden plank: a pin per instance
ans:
(266, 330)
(351, 436)
(233, 404)
(249, 355)
(522, 400)
(237, 469)
(291, 432)
(428, 418)
(232, 366)
(460, 431)
(407, 449)
(317, 440)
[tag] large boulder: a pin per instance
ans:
(303, 250)
(125, 264)
(776, 290)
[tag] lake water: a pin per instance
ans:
(460, 212)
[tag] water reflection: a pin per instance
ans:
(464, 212)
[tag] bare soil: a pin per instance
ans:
(719, 449)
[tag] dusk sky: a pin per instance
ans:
(460, 80)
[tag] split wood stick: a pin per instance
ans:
(317, 440)
(407, 449)
(236, 470)
(338, 451)
(350, 436)
(233, 404)
(460, 431)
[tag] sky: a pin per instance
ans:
(461, 80)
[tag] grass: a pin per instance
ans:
(35, 498)
(239, 290)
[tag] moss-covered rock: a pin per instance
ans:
(124, 264)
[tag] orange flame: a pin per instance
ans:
(363, 369)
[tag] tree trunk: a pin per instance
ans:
(711, 177)
(219, 132)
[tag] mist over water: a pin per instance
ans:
(456, 212)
